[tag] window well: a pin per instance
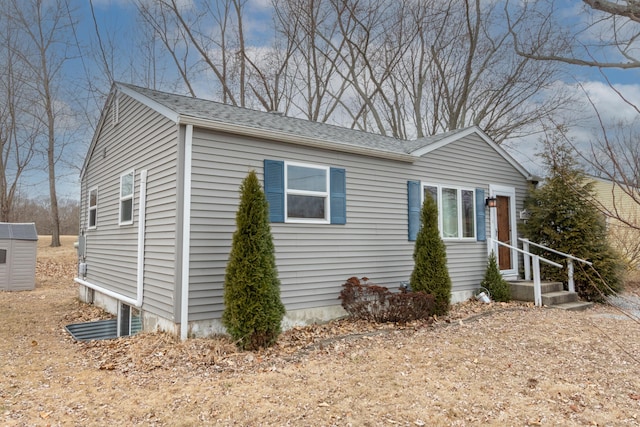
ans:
(128, 322)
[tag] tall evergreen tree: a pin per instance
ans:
(430, 273)
(253, 309)
(563, 219)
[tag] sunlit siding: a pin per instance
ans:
(314, 260)
(141, 140)
(623, 233)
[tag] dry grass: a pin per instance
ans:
(497, 364)
(54, 264)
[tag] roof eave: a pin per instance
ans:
(306, 141)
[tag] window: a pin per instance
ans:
(456, 210)
(305, 193)
(432, 191)
(3, 256)
(129, 320)
(93, 208)
(126, 198)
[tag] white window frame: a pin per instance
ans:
(460, 210)
(325, 194)
(92, 208)
(127, 197)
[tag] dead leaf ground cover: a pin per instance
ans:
(486, 364)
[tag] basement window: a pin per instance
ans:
(129, 320)
(127, 323)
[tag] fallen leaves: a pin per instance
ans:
(483, 364)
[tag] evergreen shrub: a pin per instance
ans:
(253, 310)
(563, 218)
(430, 273)
(493, 281)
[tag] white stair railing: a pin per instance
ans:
(570, 259)
(537, 284)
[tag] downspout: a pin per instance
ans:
(186, 233)
(142, 213)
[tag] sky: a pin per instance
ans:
(586, 83)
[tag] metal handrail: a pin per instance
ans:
(554, 251)
(537, 285)
(570, 258)
(543, 259)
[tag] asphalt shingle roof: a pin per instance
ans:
(260, 120)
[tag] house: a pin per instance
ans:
(160, 190)
(18, 248)
(622, 215)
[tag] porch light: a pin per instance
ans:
(491, 202)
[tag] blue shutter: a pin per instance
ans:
(274, 189)
(413, 199)
(481, 226)
(338, 194)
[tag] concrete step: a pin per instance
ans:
(573, 306)
(522, 290)
(553, 295)
(558, 297)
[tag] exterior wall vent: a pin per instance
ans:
(115, 109)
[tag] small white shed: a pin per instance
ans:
(18, 247)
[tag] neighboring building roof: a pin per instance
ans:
(243, 121)
(18, 231)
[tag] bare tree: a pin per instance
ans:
(605, 30)
(45, 28)
(18, 128)
(183, 27)
(313, 69)
(471, 76)
(416, 68)
(605, 36)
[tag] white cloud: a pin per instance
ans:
(595, 101)
(610, 102)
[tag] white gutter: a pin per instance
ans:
(186, 233)
(142, 212)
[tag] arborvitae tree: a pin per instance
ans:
(253, 309)
(430, 273)
(563, 219)
(494, 282)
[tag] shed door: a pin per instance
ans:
(5, 278)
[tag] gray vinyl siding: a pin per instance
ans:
(314, 260)
(470, 162)
(142, 140)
